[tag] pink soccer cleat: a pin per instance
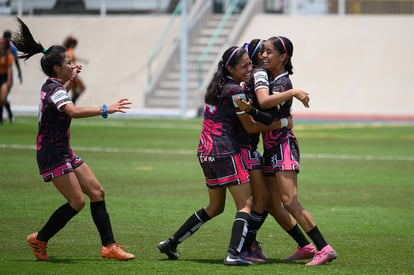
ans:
(306, 252)
(327, 254)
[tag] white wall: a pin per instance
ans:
(117, 49)
(350, 65)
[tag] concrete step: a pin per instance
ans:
(168, 93)
(173, 93)
(176, 85)
(199, 50)
(205, 40)
(173, 102)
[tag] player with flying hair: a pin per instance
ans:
(57, 162)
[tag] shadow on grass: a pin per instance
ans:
(205, 261)
(220, 261)
(54, 260)
(281, 261)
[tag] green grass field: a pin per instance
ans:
(356, 181)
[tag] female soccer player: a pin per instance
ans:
(219, 155)
(13, 51)
(263, 200)
(6, 62)
(57, 162)
(281, 154)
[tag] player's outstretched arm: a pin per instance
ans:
(82, 112)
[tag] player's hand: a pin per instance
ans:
(243, 105)
(119, 106)
(303, 97)
(76, 69)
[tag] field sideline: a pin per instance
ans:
(356, 181)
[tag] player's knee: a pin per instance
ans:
(261, 202)
(98, 194)
(214, 210)
(289, 203)
(244, 206)
(78, 203)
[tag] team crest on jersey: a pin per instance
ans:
(240, 96)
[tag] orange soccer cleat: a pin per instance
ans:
(38, 247)
(114, 251)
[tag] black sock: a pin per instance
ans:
(191, 225)
(9, 112)
(255, 222)
(238, 232)
(298, 236)
(264, 216)
(103, 224)
(317, 238)
(56, 222)
(1, 113)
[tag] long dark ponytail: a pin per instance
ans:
(215, 89)
(25, 43)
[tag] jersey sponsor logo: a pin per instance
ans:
(206, 159)
(241, 96)
(59, 96)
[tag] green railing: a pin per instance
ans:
(212, 41)
(159, 43)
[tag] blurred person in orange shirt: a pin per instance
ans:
(70, 44)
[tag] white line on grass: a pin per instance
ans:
(166, 124)
(193, 152)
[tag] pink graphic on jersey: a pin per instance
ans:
(290, 160)
(38, 142)
(272, 138)
(206, 139)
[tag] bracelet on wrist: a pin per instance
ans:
(104, 111)
(284, 122)
(72, 80)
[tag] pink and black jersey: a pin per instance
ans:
(221, 126)
(53, 135)
(280, 84)
(259, 80)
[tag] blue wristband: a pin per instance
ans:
(104, 112)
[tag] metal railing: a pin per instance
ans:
(213, 39)
(101, 7)
(159, 43)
